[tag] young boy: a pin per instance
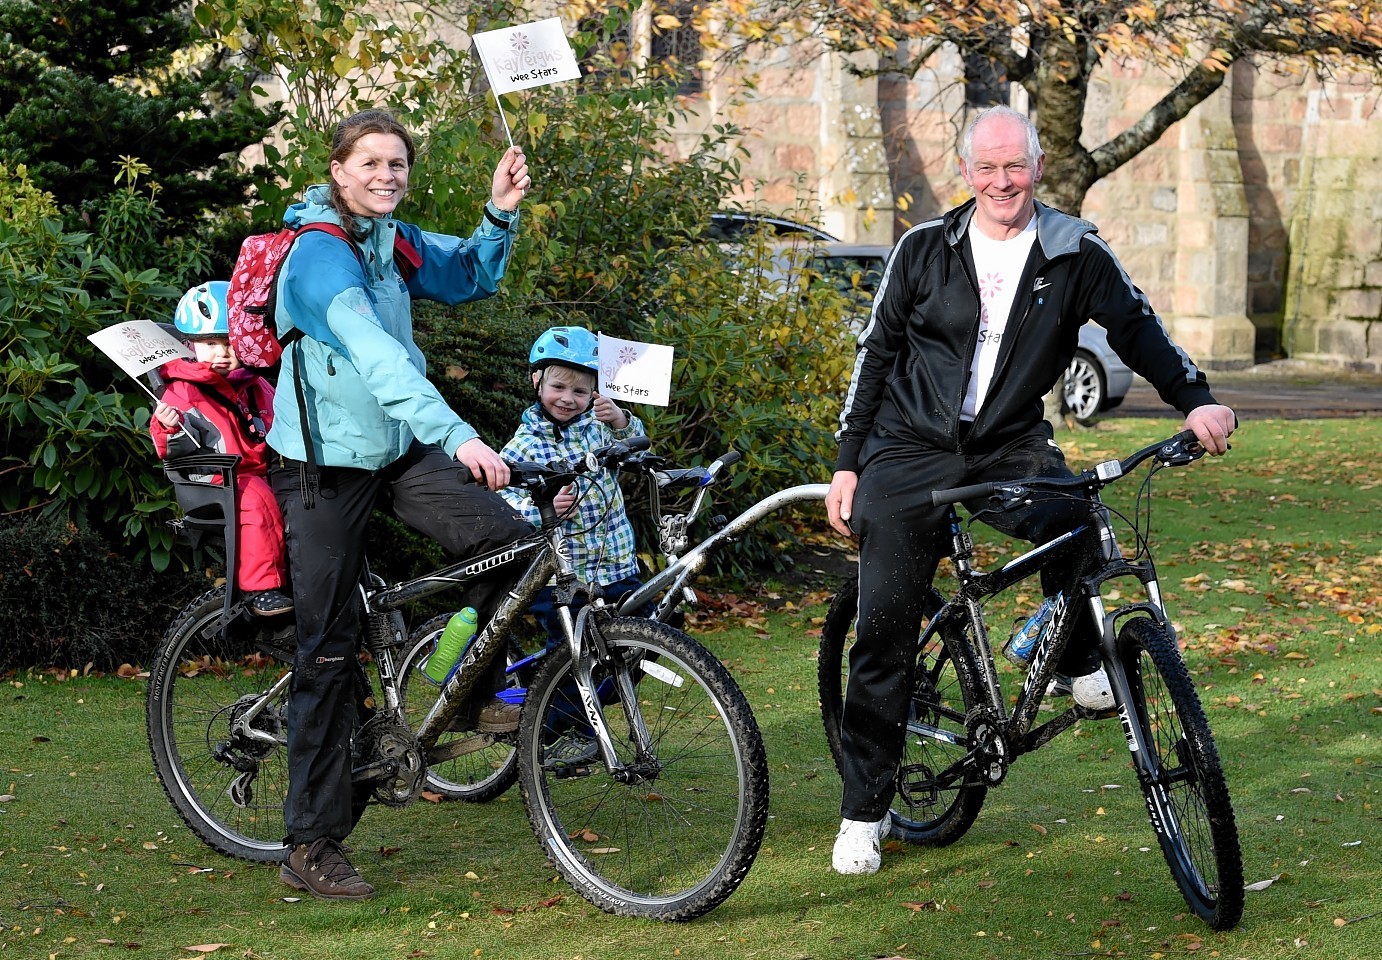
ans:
(569, 420)
(214, 403)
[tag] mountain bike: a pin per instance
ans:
(962, 738)
(489, 765)
(676, 799)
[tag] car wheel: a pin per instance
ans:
(1085, 390)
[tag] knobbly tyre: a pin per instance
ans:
(961, 736)
(677, 796)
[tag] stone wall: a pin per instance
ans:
(1333, 294)
(1254, 225)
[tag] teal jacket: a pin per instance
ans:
(364, 379)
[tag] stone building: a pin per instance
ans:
(1254, 225)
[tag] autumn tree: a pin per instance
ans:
(1051, 48)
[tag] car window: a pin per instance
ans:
(851, 274)
(732, 227)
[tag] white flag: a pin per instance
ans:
(528, 55)
(635, 372)
(139, 346)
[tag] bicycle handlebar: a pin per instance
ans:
(551, 476)
(1177, 451)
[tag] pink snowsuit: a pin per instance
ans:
(232, 415)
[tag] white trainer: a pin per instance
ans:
(858, 845)
(1093, 691)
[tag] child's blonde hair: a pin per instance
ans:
(561, 373)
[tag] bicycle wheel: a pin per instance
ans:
(1182, 778)
(679, 835)
(227, 787)
(490, 764)
(944, 688)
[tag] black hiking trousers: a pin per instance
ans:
(431, 493)
(902, 538)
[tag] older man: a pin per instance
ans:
(977, 315)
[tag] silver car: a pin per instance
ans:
(1095, 381)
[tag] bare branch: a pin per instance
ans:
(1167, 111)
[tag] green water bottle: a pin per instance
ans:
(450, 645)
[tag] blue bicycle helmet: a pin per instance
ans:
(568, 346)
(202, 311)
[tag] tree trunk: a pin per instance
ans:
(1059, 87)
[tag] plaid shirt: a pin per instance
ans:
(602, 543)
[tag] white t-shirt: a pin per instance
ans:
(998, 264)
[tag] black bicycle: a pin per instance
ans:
(664, 822)
(961, 736)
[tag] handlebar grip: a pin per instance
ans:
(940, 498)
(729, 459)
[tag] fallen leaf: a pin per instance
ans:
(206, 947)
(1039, 829)
(1262, 884)
(918, 907)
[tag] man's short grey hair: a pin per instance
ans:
(1034, 150)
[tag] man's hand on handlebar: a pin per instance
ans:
(486, 466)
(1212, 424)
(839, 500)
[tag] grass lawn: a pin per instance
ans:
(1271, 559)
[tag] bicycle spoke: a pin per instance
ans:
(1181, 776)
(677, 836)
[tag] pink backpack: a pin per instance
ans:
(253, 289)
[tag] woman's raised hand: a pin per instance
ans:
(511, 180)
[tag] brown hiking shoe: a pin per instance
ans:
(496, 716)
(321, 868)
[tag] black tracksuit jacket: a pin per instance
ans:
(913, 359)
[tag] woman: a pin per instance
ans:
(363, 428)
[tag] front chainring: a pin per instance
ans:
(388, 743)
(987, 746)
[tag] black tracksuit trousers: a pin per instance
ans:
(428, 491)
(902, 537)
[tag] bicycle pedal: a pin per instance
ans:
(573, 771)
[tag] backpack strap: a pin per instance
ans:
(407, 259)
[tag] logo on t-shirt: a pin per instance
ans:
(990, 289)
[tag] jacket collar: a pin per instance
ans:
(1059, 234)
(313, 208)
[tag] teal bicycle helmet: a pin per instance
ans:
(568, 346)
(202, 311)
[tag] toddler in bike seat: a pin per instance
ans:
(213, 403)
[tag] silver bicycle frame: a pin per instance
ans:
(673, 580)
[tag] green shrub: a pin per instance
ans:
(68, 598)
(76, 446)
